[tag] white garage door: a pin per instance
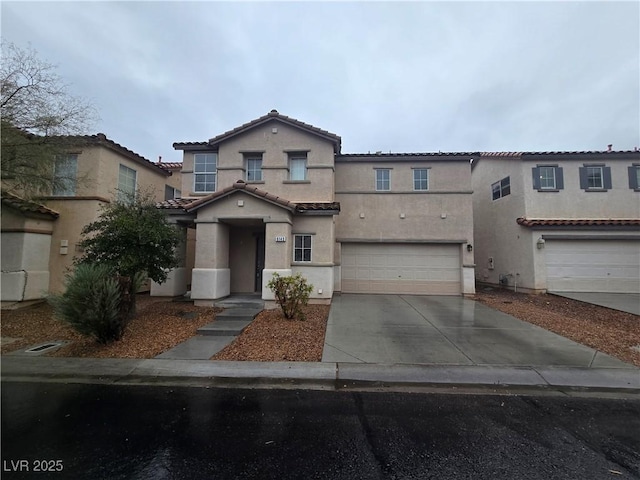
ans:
(401, 268)
(593, 266)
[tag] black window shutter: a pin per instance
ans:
(559, 178)
(606, 173)
(584, 182)
(535, 171)
(633, 178)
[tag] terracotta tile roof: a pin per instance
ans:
(273, 114)
(411, 156)
(170, 165)
(318, 206)
(176, 203)
(578, 222)
(101, 139)
(26, 206)
(191, 204)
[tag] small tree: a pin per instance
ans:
(292, 293)
(133, 239)
(37, 114)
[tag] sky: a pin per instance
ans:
(385, 76)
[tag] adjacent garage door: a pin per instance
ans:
(593, 266)
(401, 268)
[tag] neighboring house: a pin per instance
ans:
(558, 221)
(276, 195)
(39, 242)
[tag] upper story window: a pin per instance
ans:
(421, 179)
(126, 184)
(634, 177)
(65, 176)
(547, 177)
(298, 166)
(595, 177)
(170, 193)
(501, 189)
(302, 248)
(383, 179)
(205, 172)
(254, 168)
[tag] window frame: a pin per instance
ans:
(605, 177)
(298, 157)
(380, 182)
(592, 169)
(255, 159)
(502, 187)
(545, 179)
(558, 178)
(210, 169)
(62, 175)
(425, 180)
(302, 248)
(124, 195)
(634, 176)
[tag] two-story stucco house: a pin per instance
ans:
(276, 195)
(558, 221)
(39, 242)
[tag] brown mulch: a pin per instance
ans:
(273, 338)
(601, 328)
(159, 325)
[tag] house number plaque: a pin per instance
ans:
(281, 238)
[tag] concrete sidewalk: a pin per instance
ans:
(324, 375)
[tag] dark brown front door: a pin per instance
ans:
(259, 261)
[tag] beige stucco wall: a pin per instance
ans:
(274, 148)
(513, 247)
(573, 202)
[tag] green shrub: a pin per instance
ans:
(92, 303)
(292, 293)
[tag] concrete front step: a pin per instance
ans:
(241, 301)
(238, 314)
(224, 328)
(197, 348)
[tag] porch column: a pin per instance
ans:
(211, 278)
(278, 249)
(176, 282)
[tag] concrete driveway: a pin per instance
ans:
(625, 302)
(406, 329)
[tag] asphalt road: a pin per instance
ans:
(152, 432)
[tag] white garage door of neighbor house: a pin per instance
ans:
(593, 266)
(401, 268)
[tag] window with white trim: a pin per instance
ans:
(65, 176)
(205, 172)
(547, 177)
(254, 168)
(421, 179)
(302, 248)
(634, 177)
(501, 189)
(298, 166)
(127, 178)
(383, 179)
(595, 177)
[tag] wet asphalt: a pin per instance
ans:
(155, 432)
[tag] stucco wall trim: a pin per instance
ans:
(405, 192)
(27, 230)
(590, 237)
(396, 240)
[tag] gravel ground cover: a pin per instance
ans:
(161, 324)
(610, 331)
(273, 338)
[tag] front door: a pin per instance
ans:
(259, 261)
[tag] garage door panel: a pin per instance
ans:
(593, 266)
(401, 268)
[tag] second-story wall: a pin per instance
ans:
(273, 142)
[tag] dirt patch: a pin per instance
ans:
(610, 331)
(273, 338)
(159, 325)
